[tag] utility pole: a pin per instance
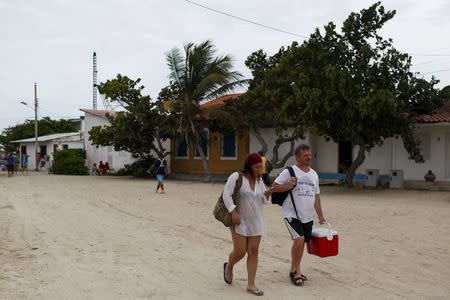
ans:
(36, 125)
(94, 81)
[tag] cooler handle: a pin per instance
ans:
(329, 235)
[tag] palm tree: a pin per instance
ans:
(197, 75)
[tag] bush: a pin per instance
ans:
(70, 162)
(137, 169)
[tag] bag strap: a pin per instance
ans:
(292, 173)
(237, 188)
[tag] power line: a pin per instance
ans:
(245, 20)
(443, 70)
(418, 54)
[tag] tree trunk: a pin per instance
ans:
(355, 165)
(280, 164)
(260, 139)
(195, 138)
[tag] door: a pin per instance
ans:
(345, 156)
(447, 156)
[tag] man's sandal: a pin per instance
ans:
(303, 277)
(255, 292)
(296, 281)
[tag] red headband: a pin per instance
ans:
(254, 159)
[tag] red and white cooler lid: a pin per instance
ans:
(324, 232)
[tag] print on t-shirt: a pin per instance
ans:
(305, 187)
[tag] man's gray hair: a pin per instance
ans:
(300, 148)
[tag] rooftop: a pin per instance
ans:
(440, 115)
(217, 102)
(49, 137)
(98, 112)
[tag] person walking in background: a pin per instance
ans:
(16, 163)
(24, 163)
(298, 211)
(160, 168)
(10, 164)
(265, 168)
(248, 223)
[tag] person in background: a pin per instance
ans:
(160, 169)
(102, 168)
(298, 212)
(24, 163)
(38, 159)
(248, 222)
(10, 164)
(95, 171)
(265, 168)
(16, 163)
(107, 168)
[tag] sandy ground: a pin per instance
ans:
(113, 238)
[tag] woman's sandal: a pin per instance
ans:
(255, 292)
(227, 281)
(304, 278)
(296, 281)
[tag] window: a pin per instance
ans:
(65, 147)
(182, 148)
(425, 146)
(43, 150)
(204, 144)
(228, 146)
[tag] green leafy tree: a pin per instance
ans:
(197, 74)
(142, 126)
(25, 130)
(353, 86)
(266, 104)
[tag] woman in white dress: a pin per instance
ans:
(248, 222)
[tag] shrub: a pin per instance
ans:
(70, 162)
(137, 169)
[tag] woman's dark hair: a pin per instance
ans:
(248, 169)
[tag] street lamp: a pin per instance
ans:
(35, 124)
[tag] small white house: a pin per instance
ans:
(95, 154)
(48, 145)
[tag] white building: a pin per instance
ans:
(48, 145)
(432, 130)
(95, 154)
(331, 159)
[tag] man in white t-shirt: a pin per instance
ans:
(299, 217)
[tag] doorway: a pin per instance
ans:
(345, 156)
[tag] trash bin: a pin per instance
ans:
(373, 176)
(396, 179)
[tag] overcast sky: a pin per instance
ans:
(51, 41)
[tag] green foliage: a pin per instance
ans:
(349, 86)
(25, 130)
(69, 162)
(138, 168)
(141, 127)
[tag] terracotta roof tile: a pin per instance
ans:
(220, 100)
(440, 115)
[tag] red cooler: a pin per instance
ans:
(324, 242)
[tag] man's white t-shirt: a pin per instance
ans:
(304, 193)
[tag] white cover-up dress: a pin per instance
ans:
(250, 205)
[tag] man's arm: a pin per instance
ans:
(318, 208)
(279, 188)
